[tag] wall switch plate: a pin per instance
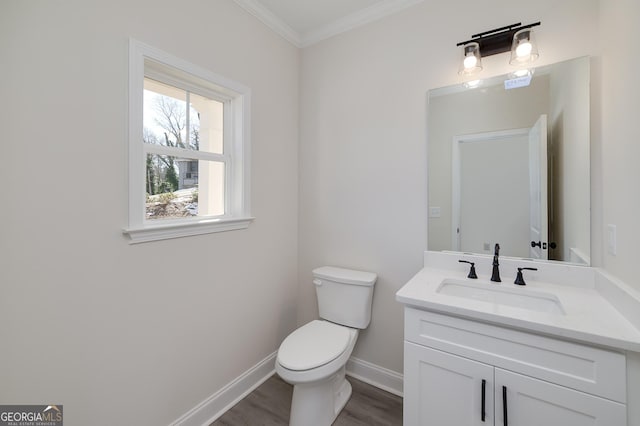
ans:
(612, 240)
(434, 211)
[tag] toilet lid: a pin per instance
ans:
(312, 345)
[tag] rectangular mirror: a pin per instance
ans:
(510, 165)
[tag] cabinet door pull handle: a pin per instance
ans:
(504, 406)
(484, 392)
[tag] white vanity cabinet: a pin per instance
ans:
(456, 370)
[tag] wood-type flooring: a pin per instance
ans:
(270, 403)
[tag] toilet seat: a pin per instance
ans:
(313, 345)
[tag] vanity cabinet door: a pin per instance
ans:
(532, 402)
(441, 389)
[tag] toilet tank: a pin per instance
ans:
(344, 295)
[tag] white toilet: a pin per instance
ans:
(313, 357)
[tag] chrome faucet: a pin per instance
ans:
(495, 275)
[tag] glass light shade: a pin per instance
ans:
(522, 72)
(472, 84)
(523, 48)
(471, 61)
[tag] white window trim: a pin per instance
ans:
(237, 205)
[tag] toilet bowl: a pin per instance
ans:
(313, 357)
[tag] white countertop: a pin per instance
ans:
(588, 316)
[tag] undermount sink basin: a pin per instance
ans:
(498, 294)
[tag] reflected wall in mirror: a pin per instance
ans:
(512, 166)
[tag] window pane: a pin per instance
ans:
(164, 114)
(166, 118)
(206, 129)
(181, 187)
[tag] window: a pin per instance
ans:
(188, 149)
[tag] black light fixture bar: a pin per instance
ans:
(498, 40)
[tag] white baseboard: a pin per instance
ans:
(375, 375)
(217, 404)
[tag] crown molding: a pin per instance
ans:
(272, 21)
(372, 13)
(357, 19)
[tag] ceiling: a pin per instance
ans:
(305, 22)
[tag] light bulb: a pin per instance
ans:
(524, 49)
(470, 61)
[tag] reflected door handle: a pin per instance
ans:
(543, 245)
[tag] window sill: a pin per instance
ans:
(167, 231)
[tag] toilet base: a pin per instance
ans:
(319, 403)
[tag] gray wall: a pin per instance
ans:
(124, 334)
(570, 212)
(616, 110)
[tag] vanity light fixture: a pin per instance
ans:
(516, 37)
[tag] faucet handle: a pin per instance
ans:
(519, 278)
(472, 271)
